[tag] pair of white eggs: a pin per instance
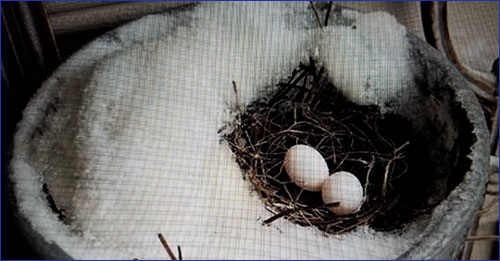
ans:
(308, 169)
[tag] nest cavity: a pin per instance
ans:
(308, 109)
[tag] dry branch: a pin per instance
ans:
(167, 247)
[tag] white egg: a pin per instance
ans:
(306, 167)
(345, 188)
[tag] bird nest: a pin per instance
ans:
(308, 109)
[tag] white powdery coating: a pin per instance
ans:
(151, 161)
(368, 59)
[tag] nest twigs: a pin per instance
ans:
(307, 109)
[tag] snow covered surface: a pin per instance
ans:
(368, 58)
(132, 149)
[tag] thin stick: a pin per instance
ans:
(330, 8)
(290, 84)
(386, 177)
(293, 210)
(467, 247)
(180, 252)
(237, 96)
(316, 13)
(372, 164)
(298, 196)
(402, 146)
(166, 246)
(487, 237)
(388, 167)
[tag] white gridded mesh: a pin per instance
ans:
(133, 149)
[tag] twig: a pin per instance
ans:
(293, 210)
(316, 13)
(328, 12)
(370, 167)
(402, 147)
(388, 167)
(487, 237)
(386, 177)
(235, 88)
(166, 246)
(467, 246)
(290, 84)
(180, 252)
